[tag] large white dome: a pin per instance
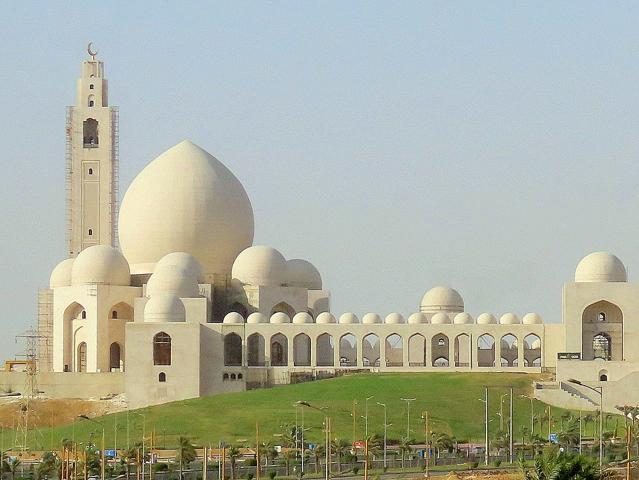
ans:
(601, 267)
(260, 265)
(185, 201)
(183, 260)
(442, 299)
(100, 264)
(301, 273)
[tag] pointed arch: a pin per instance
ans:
(256, 350)
(162, 349)
(532, 350)
(116, 362)
(394, 350)
(279, 350)
(486, 350)
(81, 358)
(325, 350)
(509, 350)
(371, 350)
(462, 350)
(440, 350)
(602, 320)
(283, 307)
(121, 311)
(417, 350)
(348, 350)
(232, 350)
(302, 350)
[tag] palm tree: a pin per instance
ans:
(565, 417)
(289, 455)
(319, 452)
(441, 441)
(185, 453)
(404, 448)
(589, 418)
(128, 456)
(233, 454)
(47, 466)
(340, 447)
(13, 465)
(570, 436)
(554, 464)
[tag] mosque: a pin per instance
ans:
(165, 297)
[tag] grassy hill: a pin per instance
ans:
(452, 401)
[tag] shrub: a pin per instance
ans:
(355, 470)
(272, 474)
(249, 476)
(161, 467)
(473, 465)
(251, 462)
(497, 463)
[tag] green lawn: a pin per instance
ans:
(452, 400)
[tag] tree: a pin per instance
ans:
(554, 464)
(570, 436)
(289, 455)
(565, 417)
(405, 448)
(340, 447)
(234, 454)
(185, 453)
(441, 441)
(13, 464)
(48, 465)
(318, 453)
(128, 456)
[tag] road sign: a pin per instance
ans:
(553, 437)
(110, 453)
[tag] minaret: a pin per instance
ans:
(92, 162)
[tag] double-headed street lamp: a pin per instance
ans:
(327, 427)
(598, 390)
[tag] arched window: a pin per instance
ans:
(601, 346)
(225, 377)
(91, 103)
(83, 315)
(91, 86)
(441, 342)
(81, 361)
(256, 346)
(90, 132)
(90, 232)
(114, 314)
(162, 377)
(283, 307)
(233, 376)
(232, 350)
(114, 356)
(90, 171)
(162, 349)
(240, 376)
(601, 317)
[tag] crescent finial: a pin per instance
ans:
(90, 51)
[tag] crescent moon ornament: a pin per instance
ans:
(90, 51)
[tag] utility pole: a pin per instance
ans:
(385, 427)
(257, 450)
(408, 400)
(486, 452)
(510, 423)
(427, 453)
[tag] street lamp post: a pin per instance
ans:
(425, 417)
(327, 429)
(408, 400)
(366, 415)
(485, 400)
(102, 456)
(598, 390)
(385, 426)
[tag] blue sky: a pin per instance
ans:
(397, 145)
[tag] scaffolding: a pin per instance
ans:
(115, 172)
(68, 181)
(45, 330)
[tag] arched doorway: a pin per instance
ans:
(302, 350)
(602, 331)
(114, 357)
(81, 358)
(256, 350)
(394, 350)
(232, 350)
(279, 350)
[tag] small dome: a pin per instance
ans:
(185, 200)
(463, 318)
(164, 308)
(300, 273)
(417, 318)
(233, 317)
(348, 318)
(184, 261)
(325, 317)
(509, 319)
(302, 317)
(443, 299)
(280, 317)
(532, 319)
(260, 265)
(394, 318)
(601, 267)
(371, 318)
(439, 318)
(486, 319)
(173, 280)
(101, 264)
(257, 317)
(61, 274)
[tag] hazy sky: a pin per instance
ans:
(397, 145)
